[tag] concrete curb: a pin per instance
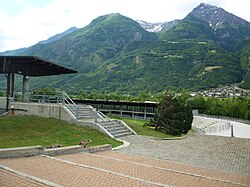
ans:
(125, 144)
(40, 150)
(177, 138)
(21, 151)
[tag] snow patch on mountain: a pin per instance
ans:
(157, 27)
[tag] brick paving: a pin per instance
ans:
(160, 174)
(66, 174)
(181, 163)
(10, 179)
(214, 152)
(178, 167)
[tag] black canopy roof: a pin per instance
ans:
(31, 66)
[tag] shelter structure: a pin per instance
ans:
(27, 66)
(134, 109)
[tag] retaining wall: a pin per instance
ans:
(43, 110)
(57, 111)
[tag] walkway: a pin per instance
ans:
(215, 152)
(198, 160)
(109, 169)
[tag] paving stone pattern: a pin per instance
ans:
(157, 171)
(144, 163)
(9, 179)
(215, 152)
(66, 174)
(178, 167)
(112, 169)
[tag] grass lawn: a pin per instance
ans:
(137, 126)
(18, 131)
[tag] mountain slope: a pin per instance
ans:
(49, 40)
(88, 47)
(58, 36)
(115, 54)
(213, 23)
(244, 55)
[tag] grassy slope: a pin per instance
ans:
(137, 126)
(17, 131)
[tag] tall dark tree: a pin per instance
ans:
(173, 116)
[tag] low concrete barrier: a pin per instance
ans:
(76, 149)
(40, 150)
(21, 151)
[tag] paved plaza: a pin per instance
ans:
(215, 152)
(197, 160)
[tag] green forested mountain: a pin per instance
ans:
(244, 55)
(115, 54)
(213, 23)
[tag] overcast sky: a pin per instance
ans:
(25, 22)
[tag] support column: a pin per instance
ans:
(8, 92)
(25, 89)
(12, 85)
(133, 110)
(145, 112)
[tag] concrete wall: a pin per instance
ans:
(57, 111)
(43, 110)
(3, 102)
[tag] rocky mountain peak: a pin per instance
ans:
(217, 17)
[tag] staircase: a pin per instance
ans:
(83, 112)
(115, 128)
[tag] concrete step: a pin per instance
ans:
(121, 131)
(116, 128)
(86, 117)
(111, 124)
(80, 109)
(123, 134)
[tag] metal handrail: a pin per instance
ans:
(70, 104)
(106, 119)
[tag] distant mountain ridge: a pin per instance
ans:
(58, 36)
(116, 54)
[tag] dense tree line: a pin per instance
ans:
(143, 96)
(231, 107)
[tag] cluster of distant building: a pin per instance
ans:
(223, 92)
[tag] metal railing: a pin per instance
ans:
(70, 104)
(41, 98)
(224, 118)
(213, 129)
(102, 118)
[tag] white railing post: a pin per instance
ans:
(96, 115)
(77, 112)
(63, 97)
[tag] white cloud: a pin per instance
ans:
(34, 24)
